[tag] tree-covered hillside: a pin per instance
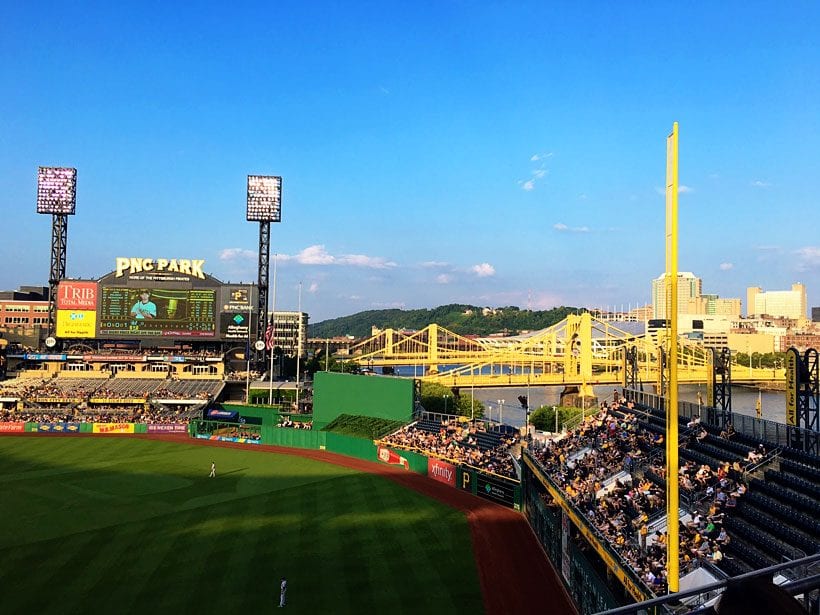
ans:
(461, 319)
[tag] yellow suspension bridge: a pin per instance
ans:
(578, 351)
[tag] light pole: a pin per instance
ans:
(500, 411)
(445, 403)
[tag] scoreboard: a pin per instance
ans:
(145, 298)
(154, 312)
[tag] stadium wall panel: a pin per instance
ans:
(378, 396)
(294, 438)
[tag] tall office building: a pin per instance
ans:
(689, 287)
(777, 303)
(713, 305)
(290, 332)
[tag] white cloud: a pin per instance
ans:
(318, 255)
(236, 254)
(388, 305)
(682, 189)
(444, 278)
(484, 270)
(315, 255)
(563, 228)
(582, 197)
(361, 260)
(434, 264)
(539, 173)
(759, 183)
(314, 286)
(537, 157)
(727, 266)
(528, 185)
(809, 258)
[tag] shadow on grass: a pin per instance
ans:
(131, 525)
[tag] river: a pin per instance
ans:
(773, 403)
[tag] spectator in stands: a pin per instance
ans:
(728, 432)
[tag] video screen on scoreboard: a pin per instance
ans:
(157, 312)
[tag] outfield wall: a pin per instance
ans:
(492, 487)
(62, 428)
(376, 396)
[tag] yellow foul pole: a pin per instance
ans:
(672, 548)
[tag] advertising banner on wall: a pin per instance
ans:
(393, 458)
(12, 427)
(76, 323)
(58, 428)
(167, 428)
(441, 471)
(113, 428)
(495, 488)
(77, 296)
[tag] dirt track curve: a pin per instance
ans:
(514, 572)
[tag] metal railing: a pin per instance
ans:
(766, 430)
(669, 601)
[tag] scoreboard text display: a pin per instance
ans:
(157, 312)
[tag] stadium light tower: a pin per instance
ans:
(264, 206)
(56, 195)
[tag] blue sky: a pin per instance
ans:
(492, 153)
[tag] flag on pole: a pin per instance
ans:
(269, 336)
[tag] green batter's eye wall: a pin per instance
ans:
(380, 396)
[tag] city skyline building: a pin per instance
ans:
(290, 332)
(689, 287)
(777, 303)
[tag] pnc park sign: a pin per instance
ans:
(191, 267)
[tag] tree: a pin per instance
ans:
(438, 398)
(543, 419)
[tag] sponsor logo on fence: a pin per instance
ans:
(12, 427)
(205, 436)
(441, 471)
(393, 458)
(113, 428)
(495, 488)
(58, 427)
(167, 428)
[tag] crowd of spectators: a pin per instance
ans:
(238, 432)
(116, 414)
(287, 422)
(459, 442)
(612, 444)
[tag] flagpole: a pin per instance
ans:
(298, 345)
(248, 347)
(273, 332)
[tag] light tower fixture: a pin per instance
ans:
(264, 205)
(56, 195)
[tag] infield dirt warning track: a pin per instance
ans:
(514, 572)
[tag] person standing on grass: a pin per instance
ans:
(213, 470)
(283, 588)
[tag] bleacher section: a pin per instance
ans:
(776, 519)
(484, 446)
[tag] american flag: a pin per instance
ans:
(269, 336)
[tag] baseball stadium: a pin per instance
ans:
(151, 462)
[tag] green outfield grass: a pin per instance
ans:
(105, 525)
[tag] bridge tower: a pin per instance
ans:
(803, 399)
(719, 389)
(578, 361)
